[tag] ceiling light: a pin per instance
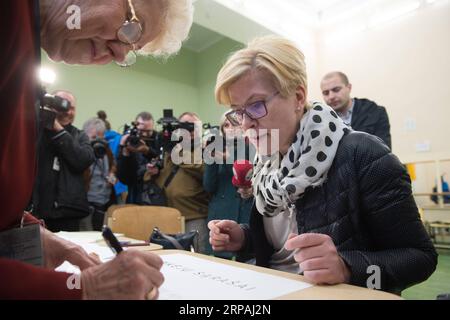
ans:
(46, 76)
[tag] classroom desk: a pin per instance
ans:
(336, 292)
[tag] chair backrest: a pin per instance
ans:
(111, 208)
(137, 222)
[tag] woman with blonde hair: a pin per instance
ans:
(329, 202)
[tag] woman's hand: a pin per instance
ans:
(225, 235)
(318, 258)
(57, 250)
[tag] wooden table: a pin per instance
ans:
(336, 292)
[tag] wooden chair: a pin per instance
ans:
(137, 222)
(111, 208)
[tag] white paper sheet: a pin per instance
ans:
(84, 236)
(104, 253)
(191, 278)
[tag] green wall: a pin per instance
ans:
(211, 61)
(183, 83)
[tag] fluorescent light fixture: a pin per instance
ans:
(390, 15)
(47, 76)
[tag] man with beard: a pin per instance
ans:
(359, 114)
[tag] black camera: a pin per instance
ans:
(55, 103)
(134, 138)
(99, 145)
(49, 106)
(137, 135)
(169, 124)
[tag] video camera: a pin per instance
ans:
(153, 141)
(49, 106)
(169, 124)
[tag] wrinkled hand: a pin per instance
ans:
(318, 258)
(130, 275)
(225, 235)
(57, 250)
(245, 192)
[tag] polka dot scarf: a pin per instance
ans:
(278, 185)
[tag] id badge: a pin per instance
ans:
(56, 165)
(23, 244)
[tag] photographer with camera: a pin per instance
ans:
(65, 152)
(100, 178)
(140, 148)
(226, 202)
(185, 191)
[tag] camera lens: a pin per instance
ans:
(99, 149)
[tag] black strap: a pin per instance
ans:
(172, 240)
(172, 174)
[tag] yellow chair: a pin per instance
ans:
(111, 209)
(137, 222)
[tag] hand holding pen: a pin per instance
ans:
(132, 274)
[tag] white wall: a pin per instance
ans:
(403, 65)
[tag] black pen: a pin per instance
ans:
(111, 240)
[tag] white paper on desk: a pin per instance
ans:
(81, 237)
(104, 253)
(191, 278)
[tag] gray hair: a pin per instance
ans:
(177, 21)
(94, 123)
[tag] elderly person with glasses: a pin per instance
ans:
(330, 203)
(73, 32)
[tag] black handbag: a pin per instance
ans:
(180, 241)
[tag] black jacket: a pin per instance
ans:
(131, 169)
(367, 208)
(369, 117)
(61, 193)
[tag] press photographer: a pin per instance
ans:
(140, 150)
(173, 130)
(100, 178)
(175, 176)
(65, 152)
